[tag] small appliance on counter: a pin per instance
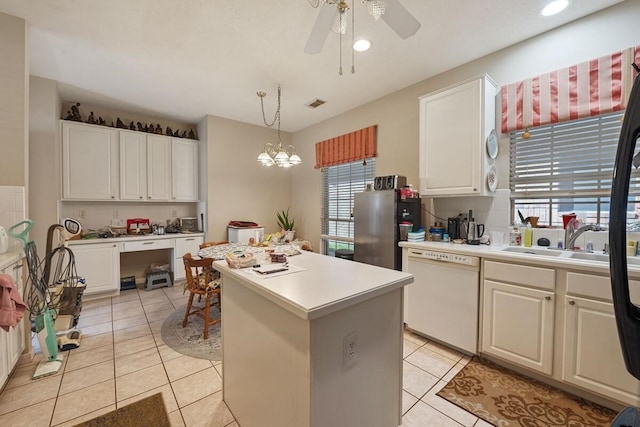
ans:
(454, 227)
(138, 226)
(189, 224)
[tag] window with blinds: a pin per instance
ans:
(567, 168)
(339, 184)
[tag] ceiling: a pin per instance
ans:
(187, 59)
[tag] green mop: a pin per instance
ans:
(48, 344)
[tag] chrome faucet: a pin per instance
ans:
(571, 233)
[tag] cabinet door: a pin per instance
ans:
(12, 342)
(518, 325)
(15, 339)
(4, 362)
(452, 133)
(133, 166)
(99, 264)
(158, 167)
(184, 245)
(184, 160)
(89, 162)
(592, 355)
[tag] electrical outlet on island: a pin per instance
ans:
(350, 350)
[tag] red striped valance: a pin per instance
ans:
(346, 148)
(587, 89)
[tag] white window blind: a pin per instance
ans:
(339, 183)
(566, 167)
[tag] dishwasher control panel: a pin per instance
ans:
(445, 257)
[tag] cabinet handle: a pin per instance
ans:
(572, 302)
(548, 298)
(113, 197)
(148, 243)
(141, 197)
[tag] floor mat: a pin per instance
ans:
(505, 398)
(188, 340)
(149, 411)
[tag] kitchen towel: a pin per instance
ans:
(11, 304)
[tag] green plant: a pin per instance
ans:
(284, 221)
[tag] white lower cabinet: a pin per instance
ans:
(184, 245)
(518, 325)
(592, 356)
(99, 264)
(12, 342)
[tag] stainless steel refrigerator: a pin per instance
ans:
(376, 216)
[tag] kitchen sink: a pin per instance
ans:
(589, 256)
(532, 251)
(631, 260)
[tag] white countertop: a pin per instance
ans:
(133, 238)
(8, 258)
(322, 284)
(495, 252)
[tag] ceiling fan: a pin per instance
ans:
(334, 16)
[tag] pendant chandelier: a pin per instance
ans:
(283, 157)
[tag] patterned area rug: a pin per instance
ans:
(505, 398)
(149, 411)
(188, 340)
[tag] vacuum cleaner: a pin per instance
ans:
(53, 287)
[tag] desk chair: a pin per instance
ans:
(200, 281)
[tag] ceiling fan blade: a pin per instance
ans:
(320, 29)
(400, 20)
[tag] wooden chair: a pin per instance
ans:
(201, 282)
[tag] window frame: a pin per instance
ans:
(580, 155)
(336, 221)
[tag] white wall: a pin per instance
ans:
(14, 94)
(45, 179)
(238, 187)
(397, 114)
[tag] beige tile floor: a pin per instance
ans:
(122, 359)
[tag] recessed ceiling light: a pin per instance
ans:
(556, 6)
(361, 45)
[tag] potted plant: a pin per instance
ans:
(286, 223)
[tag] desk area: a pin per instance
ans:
(102, 262)
(320, 345)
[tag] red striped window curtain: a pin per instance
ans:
(350, 147)
(587, 89)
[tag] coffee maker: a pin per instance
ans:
(454, 228)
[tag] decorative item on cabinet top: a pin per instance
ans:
(73, 114)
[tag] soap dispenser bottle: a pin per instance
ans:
(528, 236)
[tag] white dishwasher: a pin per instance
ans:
(442, 302)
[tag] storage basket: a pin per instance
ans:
(240, 259)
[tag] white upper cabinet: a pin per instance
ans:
(454, 126)
(133, 166)
(97, 161)
(184, 166)
(89, 162)
(158, 167)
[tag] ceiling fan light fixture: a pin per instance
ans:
(362, 45)
(554, 7)
(376, 8)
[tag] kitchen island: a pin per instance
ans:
(319, 345)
